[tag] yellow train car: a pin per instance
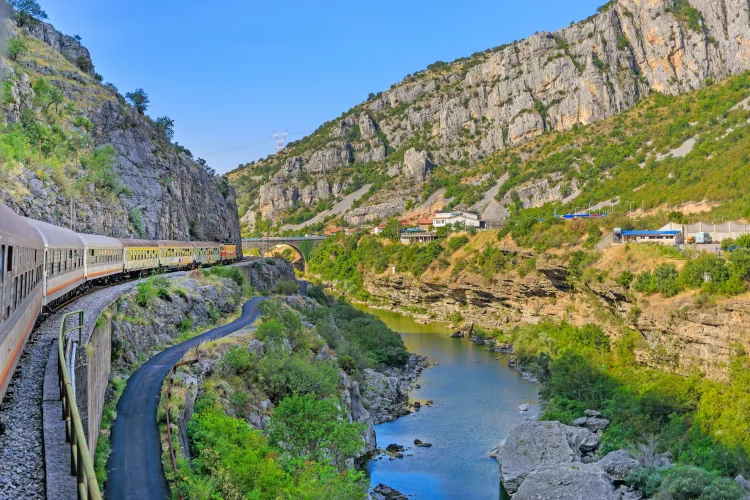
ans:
(176, 254)
(141, 255)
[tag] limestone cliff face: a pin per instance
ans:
(472, 107)
(156, 191)
(678, 335)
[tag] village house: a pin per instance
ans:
(663, 237)
(416, 235)
(425, 224)
(458, 218)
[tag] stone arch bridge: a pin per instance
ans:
(303, 245)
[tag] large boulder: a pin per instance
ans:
(570, 481)
(532, 445)
(618, 464)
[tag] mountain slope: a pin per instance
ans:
(73, 153)
(439, 121)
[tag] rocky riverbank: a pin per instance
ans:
(387, 392)
(552, 460)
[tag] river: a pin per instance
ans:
(476, 400)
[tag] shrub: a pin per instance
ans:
(232, 272)
(306, 428)
(185, 325)
(144, 292)
(289, 287)
(692, 482)
(455, 243)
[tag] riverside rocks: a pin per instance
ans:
(532, 445)
(383, 492)
(567, 482)
(387, 393)
(541, 460)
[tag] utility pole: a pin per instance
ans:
(280, 139)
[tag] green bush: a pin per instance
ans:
(455, 243)
(186, 325)
(229, 459)
(144, 293)
(688, 482)
(306, 428)
(231, 272)
(290, 287)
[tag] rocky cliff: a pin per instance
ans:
(454, 114)
(75, 154)
(679, 334)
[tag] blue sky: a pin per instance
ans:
(229, 73)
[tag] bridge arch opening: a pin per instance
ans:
(288, 252)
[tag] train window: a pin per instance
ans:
(10, 259)
(15, 292)
(2, 263)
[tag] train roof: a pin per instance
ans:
(13, 225)
(56, 236)
(96, 241)
(174, 244)
(205, 244)
(136, 243)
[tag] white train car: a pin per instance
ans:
(64, 261)
(21, 294)
(104, 256)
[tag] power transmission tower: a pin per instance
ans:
(280, 140)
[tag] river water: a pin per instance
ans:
(476, 400)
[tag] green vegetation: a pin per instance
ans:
(103, 443)
(343, 259)
(231, 460)
(304, 451)
(165, 125)
(16, 47)
(27, 11)
(139, 99)
(708, 272)
(701, 423)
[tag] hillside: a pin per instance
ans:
(442, 127)
(72, 146)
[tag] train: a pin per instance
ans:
(43, 266)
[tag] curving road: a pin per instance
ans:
(134, 469)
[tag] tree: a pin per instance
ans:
(166, 125)
(27, 11)
(17, 47)
(139, 99)
(56, 97)
(392, 229)
(77, 38)
(307, 428)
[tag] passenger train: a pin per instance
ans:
(43, 265)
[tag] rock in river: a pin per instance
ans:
(383, 492)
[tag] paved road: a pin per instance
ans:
(134, 467)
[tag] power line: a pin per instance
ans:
(253, 144)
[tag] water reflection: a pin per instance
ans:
(476, 398)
